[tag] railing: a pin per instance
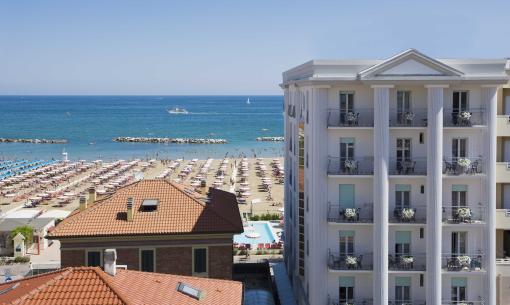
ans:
(463, 118)
(411, 166)
(463, 214)
(463, 302)
(412, 214)
(413, 118)
(353, 261)
(361, 214)
(352, 166)
(406, 302)
(463, 166)
(407, 262)
(353, 118)
(462, 262)
(358, 301)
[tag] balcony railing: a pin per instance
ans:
(357, 301)
(411, 214)
(462, 262)
(353, 261)
(411, 166)
(407, 262)
(406, 302)
(362, 214)
(463, 166)
(352, 166)
(413, 118)
(353, 118)
(462, 302)
(463, 118)
(463, 214)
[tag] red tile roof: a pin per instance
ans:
(179, 212)
(91, 285)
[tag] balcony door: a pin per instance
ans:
(402, 290)
(459, 195)
(346, 290)
(402, 243)
(460, 101)
(459, 148)
(403, 105)
(403, 149)
(346, 196)
(346, 105)
(402, 196)
(346, 243)
(346, 151)
(459, 289)
(459, 243)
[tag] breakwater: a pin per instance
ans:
(35, 141)
(271, 139)
(169, 140)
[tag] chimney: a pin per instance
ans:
(83, 203)
(130, 209)
(92, 195)
(110, 261)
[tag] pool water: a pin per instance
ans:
(261, 227)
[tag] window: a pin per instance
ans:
(149, 205)
(346, 289)
(403, 150)
(459, 148)
(346, 196)
(403, 106)
(459, 243)
(460, 101)
(346, 152)
(402, 196)
(147, 260)
(403, 290)
(346, 105)
(402, 243)
(94, 258)
(346, 243)
(459, 289)
(199, 261)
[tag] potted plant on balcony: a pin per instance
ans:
(351, 262)
(350, 214)
(464, 214)
(409, 116)
(351, 116)
(464, 261)
(407, 214)
(464, 163)
(351, 165)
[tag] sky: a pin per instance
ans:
(224, 47)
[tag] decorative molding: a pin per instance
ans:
(382, 86)
(444, 86)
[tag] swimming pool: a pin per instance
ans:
(261, 227)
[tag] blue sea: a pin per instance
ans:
(90, 123)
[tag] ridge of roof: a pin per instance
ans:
(180, 277)
(108, 281)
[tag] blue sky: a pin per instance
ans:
(224, 47)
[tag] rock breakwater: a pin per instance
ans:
(35, 141)
(169, 140)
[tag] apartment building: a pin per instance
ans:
(394, 183)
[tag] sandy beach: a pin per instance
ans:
(60, 187)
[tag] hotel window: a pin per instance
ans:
(403, 106)
(403, 290)
(199, 261)
(459, 243)
(346, 289)
(459, 104)
(459, 289)
(346, 105)
(459, 195)
(346, 243)
(94, 258)
(459, 148)
(147, 260)
(402, 243)
(346, 196)
(402, 196)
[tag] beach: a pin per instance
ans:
(58, 186)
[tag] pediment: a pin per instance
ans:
(409, 63)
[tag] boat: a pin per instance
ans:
(248, 101)
(177, 110)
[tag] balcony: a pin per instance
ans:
(467, 118)
(414, 118)
(406, 302)
(463, 215)
(350, 262)
(352, 166)
(463, 302)
(407, 262)
(503, 219)
(462, 262)
(362, 214)
(503, 125)
(354, 118)
(463, 166)
(349, 301)
(412, 214)
(408, 167)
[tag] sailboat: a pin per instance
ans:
(248, 101)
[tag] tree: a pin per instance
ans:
(27, 231)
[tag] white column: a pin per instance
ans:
(381, 206)
(489, 99)
(434, 191)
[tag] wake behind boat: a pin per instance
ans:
(177, 110)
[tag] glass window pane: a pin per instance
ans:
(147, 263)
(200, 260)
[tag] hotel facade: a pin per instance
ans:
(397, 180)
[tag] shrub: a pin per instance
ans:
(22, 259)
(267, 216)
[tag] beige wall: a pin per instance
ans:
(503, 290)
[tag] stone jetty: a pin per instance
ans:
(169, 140)
(271, 139)
(35, 141)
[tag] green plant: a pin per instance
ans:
(22, 259)
(26, 231)
(266, 216)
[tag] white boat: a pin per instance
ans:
(248, 101)
(177, 110)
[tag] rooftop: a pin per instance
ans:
(91, 285)
(178, 211)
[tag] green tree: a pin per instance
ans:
(26, 231)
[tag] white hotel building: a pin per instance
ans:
(397, 181)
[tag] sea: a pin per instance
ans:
(90, 123)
